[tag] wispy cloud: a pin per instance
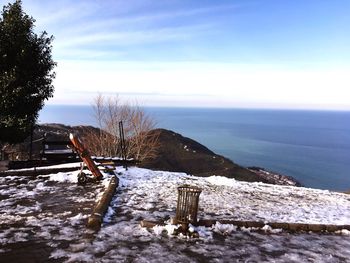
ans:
(57, 14)
(153, 18)
(88, 25)
(134, 37)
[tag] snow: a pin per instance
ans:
(224, 229)
(65, 177)
(61, 151)
(152, 195)
(224, 198)
(343, 232)
(220, 180)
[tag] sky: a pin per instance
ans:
(225, 53)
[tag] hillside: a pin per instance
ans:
(176, 154)
(181, 154)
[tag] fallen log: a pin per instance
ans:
(4, 165)
(96, 217)
(150, 224)
(292, 227)
(37, 171)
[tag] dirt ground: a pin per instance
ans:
(39, 216)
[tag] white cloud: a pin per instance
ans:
(205, 84)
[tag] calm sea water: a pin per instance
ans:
(312, 146)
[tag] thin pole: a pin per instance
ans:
(122, 144)
(31, 141)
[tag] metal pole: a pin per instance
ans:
(122, 144)
(31, 142)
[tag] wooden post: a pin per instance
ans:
(85, 156)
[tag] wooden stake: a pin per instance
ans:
(85, 156)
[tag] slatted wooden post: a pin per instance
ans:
(85, 156)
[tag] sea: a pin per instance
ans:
(311, 146)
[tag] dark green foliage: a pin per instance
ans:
(26, 73)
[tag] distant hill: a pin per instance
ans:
(176, 154)
(181, 154)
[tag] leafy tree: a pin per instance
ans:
(26, 73)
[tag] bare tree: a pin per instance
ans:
(140, 137)
(99, 116)
(144, 142)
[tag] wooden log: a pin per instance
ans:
(150, 224)
(37, 171)
(206, 222)
(299, 227)
(255, 224)
(96, 217)
(85, 156)
(4, 165)
(334, 228)
(317, 228)
(279, 225)
(294, 227)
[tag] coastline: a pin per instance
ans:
(275, 178)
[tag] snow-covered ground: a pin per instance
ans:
(224, 198)
(25, 216)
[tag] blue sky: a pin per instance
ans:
(269, 54)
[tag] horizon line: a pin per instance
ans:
(217, 107)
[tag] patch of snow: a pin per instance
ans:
(269, 229)
(158, 230)
(221, 180)
(224, 229)
(71, 177)
(171, 228)
(109, 215)
(344, 232)
(75, 220)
